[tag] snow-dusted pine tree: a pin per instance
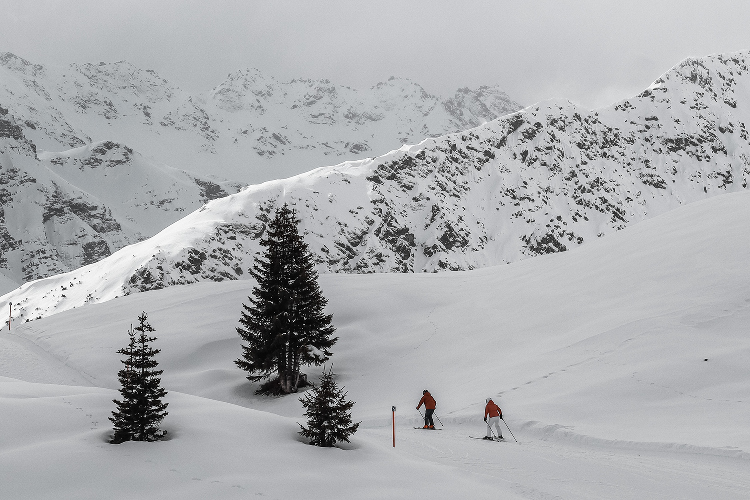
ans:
(141, 410)
(285, 326)
(328, 413)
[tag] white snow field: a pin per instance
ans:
(622, 368)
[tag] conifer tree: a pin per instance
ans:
(141, 410)
(328, 413)
(123, 417)
(284, 327)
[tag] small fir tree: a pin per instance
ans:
(141, 410)
(284, 327)
(328, 413)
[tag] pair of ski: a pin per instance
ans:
(497, 440)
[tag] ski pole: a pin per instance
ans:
(441, 422)
(420, 414)
(506, 425)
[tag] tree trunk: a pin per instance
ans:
(283, 380)
(295, 370)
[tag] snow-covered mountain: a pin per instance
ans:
(126, 125)
(250, 128)
(542, 180)
(61, 211)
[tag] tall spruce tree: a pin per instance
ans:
(141, 410)
(328, 413)
(284, 327)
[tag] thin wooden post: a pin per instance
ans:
(393, 409)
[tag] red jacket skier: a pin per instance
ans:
(494, 413)
(429, 409)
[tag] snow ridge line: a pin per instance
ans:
(557, 432)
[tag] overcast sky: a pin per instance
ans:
(592, 52)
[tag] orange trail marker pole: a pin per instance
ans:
(393, 409)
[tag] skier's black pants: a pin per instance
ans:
(428, 417)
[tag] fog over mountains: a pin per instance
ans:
(146, 153)
(541, 180)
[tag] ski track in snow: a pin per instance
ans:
(23, 358)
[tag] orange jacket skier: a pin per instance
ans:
(429, 409)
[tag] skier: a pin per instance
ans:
(495, 414)
(429, 409)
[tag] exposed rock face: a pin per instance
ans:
(250, 128)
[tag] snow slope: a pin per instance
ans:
(621, 367)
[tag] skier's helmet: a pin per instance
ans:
(488, 400)
(425, 391)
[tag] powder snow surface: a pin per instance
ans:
(620, 366)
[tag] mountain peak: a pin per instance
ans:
(242, 89)
(403, 83)
(247, 75)
(21, 65)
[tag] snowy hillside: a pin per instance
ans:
(543, 180)
(620, 366)
(249, 128)
(64, 210)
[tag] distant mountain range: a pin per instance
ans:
(250, 128)
(145, 153)
(542, 180)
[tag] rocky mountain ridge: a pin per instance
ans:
(541, 180)
(249, 128)
(61, 211)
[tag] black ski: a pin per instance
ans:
(497, 440)
(423, 429)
